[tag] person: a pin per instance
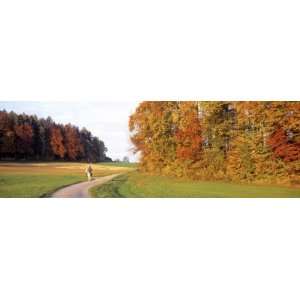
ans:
(89, 172)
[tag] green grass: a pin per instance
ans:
(138, 185)
(20, 186)
(22, 180)
(41, 179)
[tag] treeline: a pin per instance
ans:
(27, 137)
(247, 141)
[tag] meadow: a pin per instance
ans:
(26, 180)
(139, 185)
(42, 179)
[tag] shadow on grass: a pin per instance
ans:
(109, 189)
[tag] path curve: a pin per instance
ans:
(81, 190)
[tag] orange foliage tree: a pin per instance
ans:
(56, 142)
(72, 142)
(257, 141)
(30, 138)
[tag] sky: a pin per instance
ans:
(106, 120)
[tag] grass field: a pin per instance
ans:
(119, 164)
(41, 179)
(137, 185)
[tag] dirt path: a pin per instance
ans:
(81, 190)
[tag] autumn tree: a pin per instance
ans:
(188, 139)
(28, 137)
(252, 141)
(72, 142)
(7, 135)
(24, 139)
(153, 130)
(188, 135)
(218, 119)
(56, 142)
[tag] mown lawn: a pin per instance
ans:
(41, 179)
(138, 185)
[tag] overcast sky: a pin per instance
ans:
(107, 120)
